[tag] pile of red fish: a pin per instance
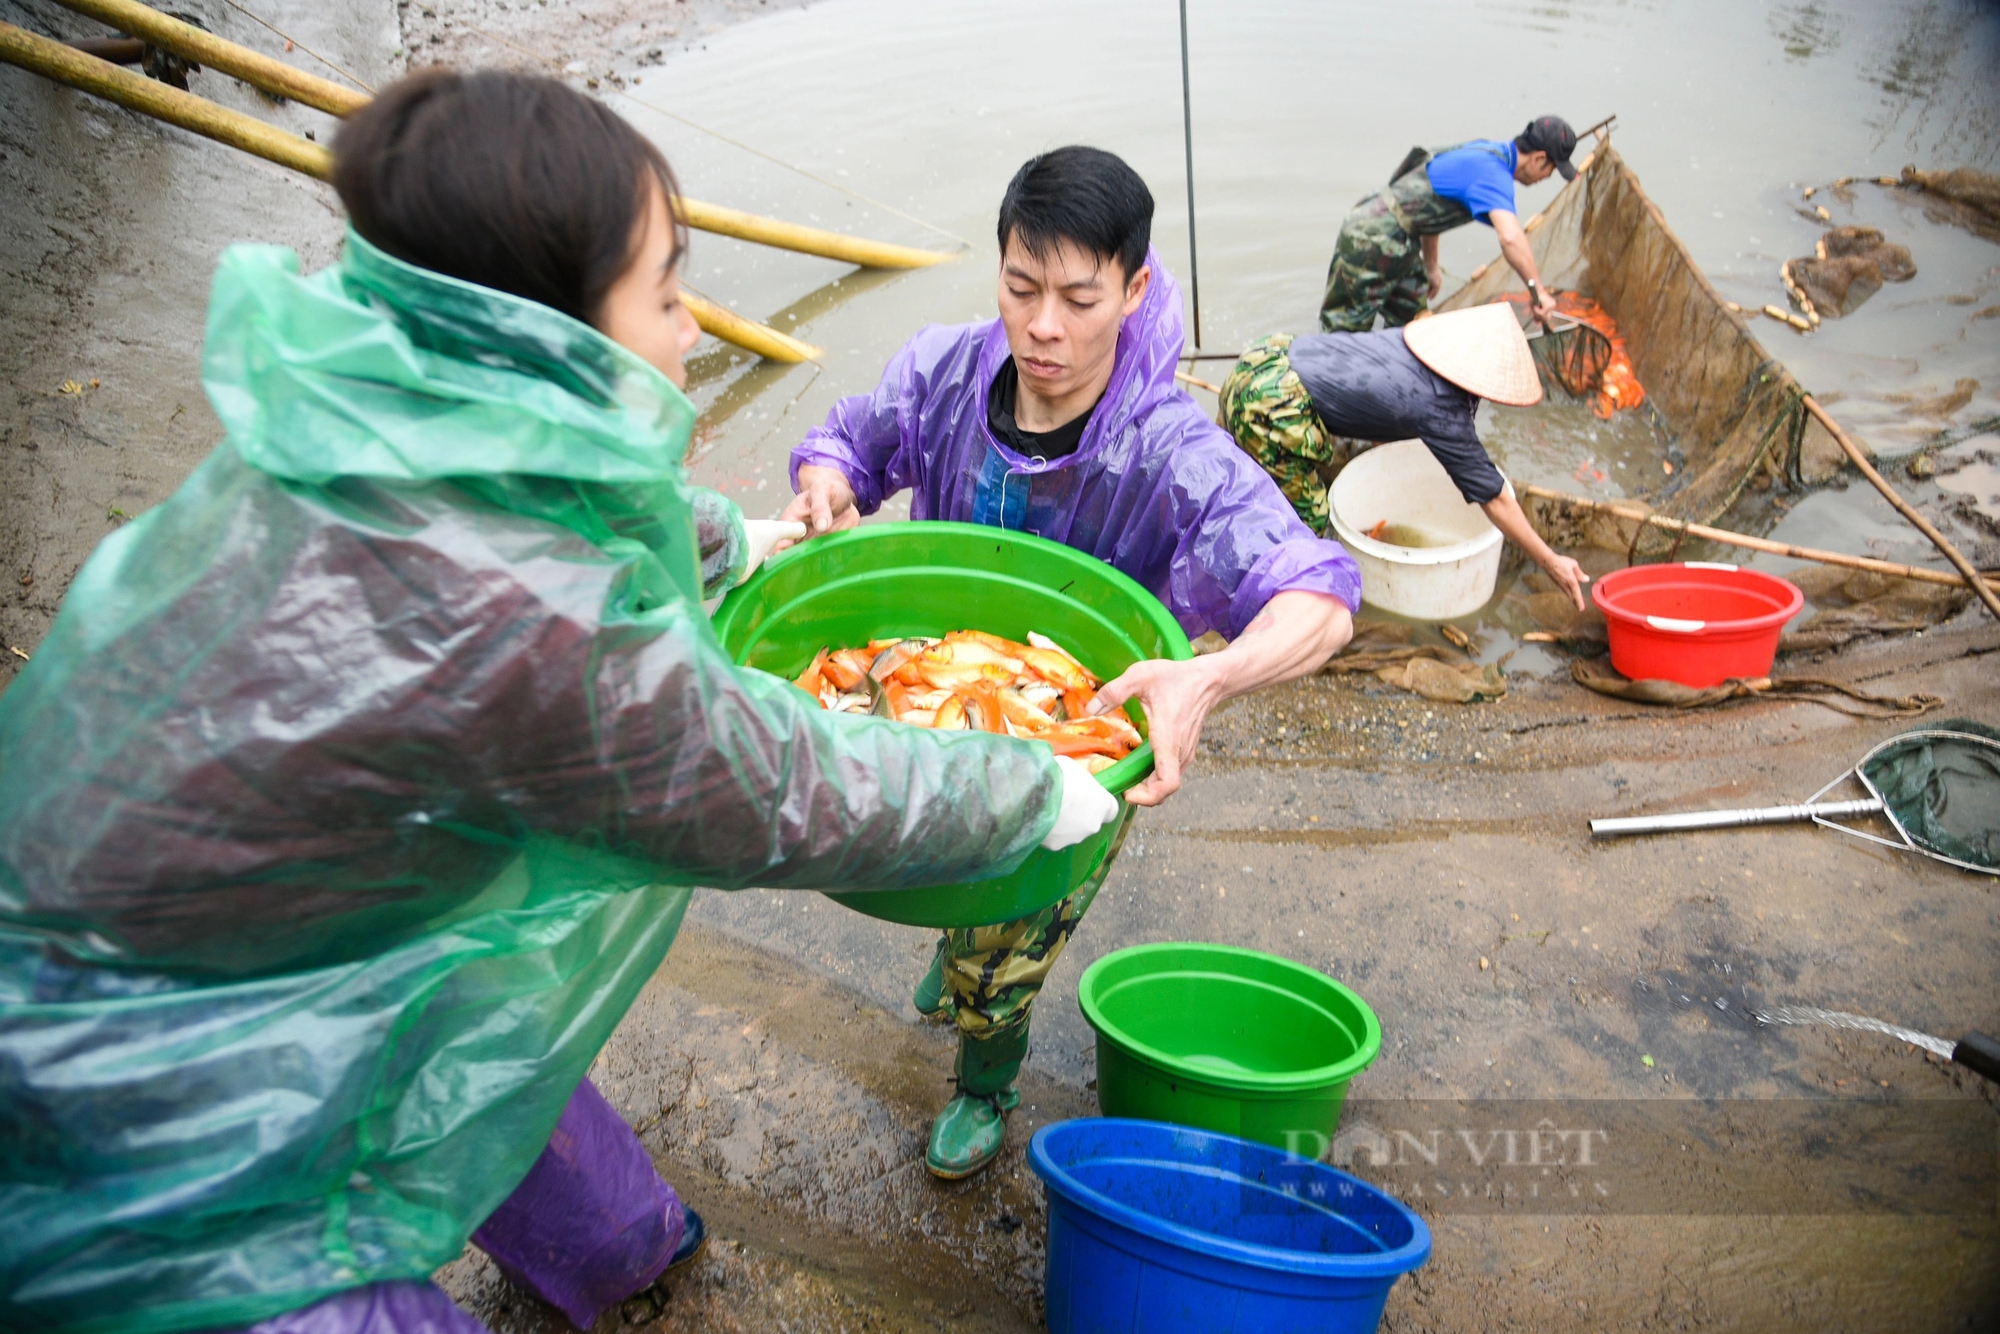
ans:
(975, 681)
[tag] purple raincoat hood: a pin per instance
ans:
(1155, 488)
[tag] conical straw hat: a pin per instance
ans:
(1481, 350)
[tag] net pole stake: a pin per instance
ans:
(1748, 543)
(1904, 508)
(1187, 141)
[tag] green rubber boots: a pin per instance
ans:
(929, 997)
(968, 1133)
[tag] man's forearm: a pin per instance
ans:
(1295, 634)
(1521, 258)
(1506, 514)
(1514, 247)
(1430, 247)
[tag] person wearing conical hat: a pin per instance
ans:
(1305, 406)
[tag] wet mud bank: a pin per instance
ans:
(791, 1113)
(1436, 858)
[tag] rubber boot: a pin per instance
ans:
(929, 996)
(968, 1133)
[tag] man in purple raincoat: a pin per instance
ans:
(1062, 418)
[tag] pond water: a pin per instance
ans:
(1725, 110)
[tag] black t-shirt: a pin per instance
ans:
(1057, 444)
(1370, 386)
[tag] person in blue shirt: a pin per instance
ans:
(1386, 261)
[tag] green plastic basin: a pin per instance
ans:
(891, 579)
(1226, 1039)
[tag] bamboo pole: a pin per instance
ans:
(136, 92)
(1922, 525)
(53, 60)
(1745, 541)
(274, 76)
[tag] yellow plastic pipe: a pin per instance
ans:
(274, 76)
(135, 92)
(806, 240)
(730, 327)
(221, 55)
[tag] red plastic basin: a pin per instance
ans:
(1696, 623)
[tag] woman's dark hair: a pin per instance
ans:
(1082, 195)
(511, 181)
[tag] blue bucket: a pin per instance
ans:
(1169, 1230)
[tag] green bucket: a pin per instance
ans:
(890, 579)
(1226, 1039)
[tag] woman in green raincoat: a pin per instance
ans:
(360, 786)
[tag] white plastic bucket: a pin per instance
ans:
(1405, 485)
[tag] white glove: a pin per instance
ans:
(763, 534)
(1086, 806)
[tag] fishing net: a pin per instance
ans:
(1731, 412)
(1940, 787)
(1599, 675)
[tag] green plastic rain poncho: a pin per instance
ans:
(359, 787)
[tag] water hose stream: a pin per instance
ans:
(1975, 1051)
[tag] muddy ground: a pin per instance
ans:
(783, 1080)
(1433, 856)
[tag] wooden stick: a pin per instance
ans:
(1922, 525)
(117, 50)
(135, 92)
(1185, 378)
(1747, 542)
(275, 76)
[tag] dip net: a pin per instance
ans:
(1730, 412)
(1940, 792)
(1582, 354)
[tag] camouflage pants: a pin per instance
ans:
(1265, 406)
(1378, 268)
(992, 974)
